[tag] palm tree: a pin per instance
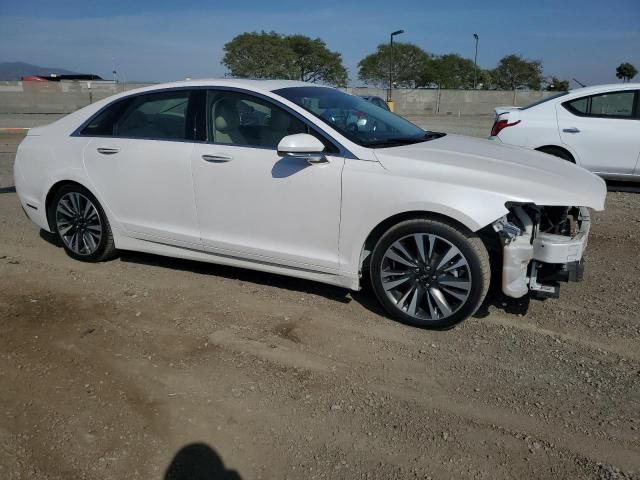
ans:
(626, 72)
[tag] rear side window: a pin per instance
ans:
(159, 116)
(613, 104)
(156, 116)
(102, 124)
(605, 105)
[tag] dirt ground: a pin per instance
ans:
(151, 368)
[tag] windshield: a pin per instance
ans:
(360, 121)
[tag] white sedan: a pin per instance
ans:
(270, 175)
(597, 128)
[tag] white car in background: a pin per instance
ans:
(266, 175)
(596, 127)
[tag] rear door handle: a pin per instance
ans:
(108, 150)
(571, 130)
(216, 158)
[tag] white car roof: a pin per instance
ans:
(250, 84)
(605, 88)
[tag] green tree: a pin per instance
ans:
(451, 71)
(554, 84)
(258, 55)
(515, 72)
(626, 72)
(314, 62)
(295, 57)
(485, 80)
(410, 63)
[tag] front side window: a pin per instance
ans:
(244, 120)
(604, 105)
(360, 121)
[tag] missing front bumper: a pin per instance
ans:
(537, 263)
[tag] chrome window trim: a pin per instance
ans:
(342, 151)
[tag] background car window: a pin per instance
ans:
(581, 105)
(613, 105)
(239, 119)
(383, 104)
(157, 116)
(619, 104)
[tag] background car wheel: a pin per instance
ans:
(430, 274)
(557, 152)
(80, 224)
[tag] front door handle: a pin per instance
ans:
(571, 130)
(216, 158)
(108, 150)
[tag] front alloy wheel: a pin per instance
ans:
(429, 273)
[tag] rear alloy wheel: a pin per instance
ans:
(430, 274)
(81, 225)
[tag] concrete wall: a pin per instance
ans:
(55, 97)
(66, 97)
(452, 102)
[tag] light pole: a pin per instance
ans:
(393, 34)
(475, 63)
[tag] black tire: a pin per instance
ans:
(104, 248)
(475, 274)
(557, 152)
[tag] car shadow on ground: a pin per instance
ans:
(365, 297)
(495, 299)
(198, 461)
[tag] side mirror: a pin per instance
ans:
(302, 145)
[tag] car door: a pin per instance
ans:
(140, 164)
(254, 204)
(603, 130)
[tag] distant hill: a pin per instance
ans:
(16, 70)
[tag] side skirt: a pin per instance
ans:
(127, 243)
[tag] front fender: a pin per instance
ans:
(372, 195)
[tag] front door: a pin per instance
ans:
(254, 204)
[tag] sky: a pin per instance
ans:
(160, 40)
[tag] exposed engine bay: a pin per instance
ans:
(541, 247)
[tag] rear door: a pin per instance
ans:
(140, 164)
(603, 130)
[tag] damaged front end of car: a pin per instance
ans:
(541, 247)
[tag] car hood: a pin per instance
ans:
(519, 174)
